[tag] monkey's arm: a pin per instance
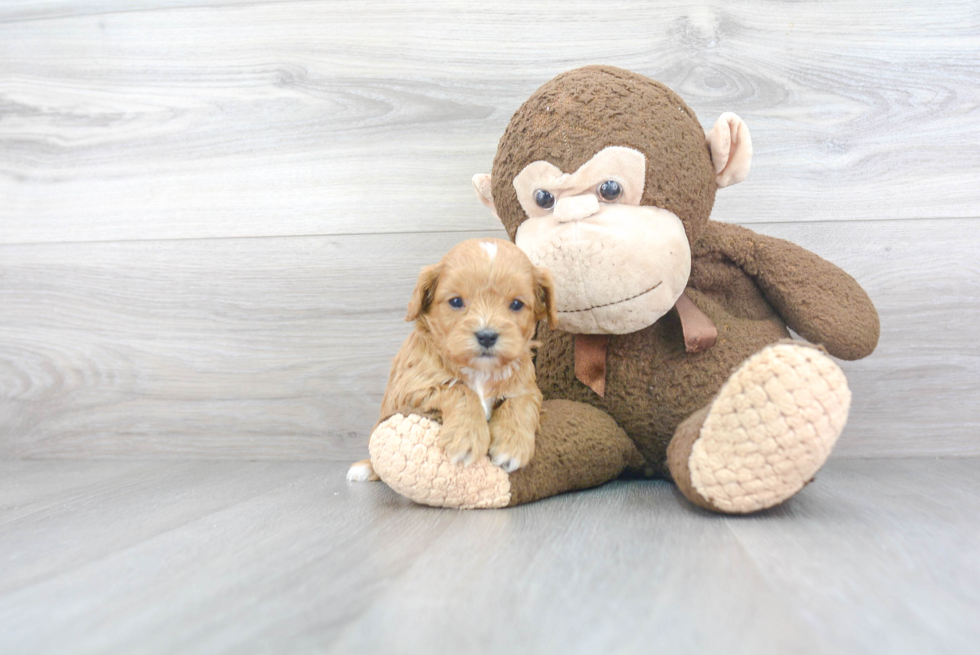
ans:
(819, 301)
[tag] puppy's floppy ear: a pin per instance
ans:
(545, 296)
(424, 289)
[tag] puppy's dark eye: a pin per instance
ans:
(516, 306)
(610, 190)
(544, 199)
(456, 303)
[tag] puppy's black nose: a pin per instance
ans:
(486, 338)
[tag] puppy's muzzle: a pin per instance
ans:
(486, 338)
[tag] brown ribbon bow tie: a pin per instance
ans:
(590, 349)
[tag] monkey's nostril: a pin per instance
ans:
(486, 338)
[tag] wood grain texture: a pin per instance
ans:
(280, 348)
(30, 10)
(307, 118)
(221, 557)
(200, 345)
(211, 216)
(212, 212)
(173, 493)
(30, 488)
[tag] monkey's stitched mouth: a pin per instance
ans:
(610, 304)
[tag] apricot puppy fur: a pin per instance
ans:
(469, 360)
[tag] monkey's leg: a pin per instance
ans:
(765, 434)
(576, 447)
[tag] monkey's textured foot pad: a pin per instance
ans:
(767, 432)
(405, 453)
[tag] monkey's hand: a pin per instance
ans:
(818, 300)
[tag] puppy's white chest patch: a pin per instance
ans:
(477, 381)
(487, 406)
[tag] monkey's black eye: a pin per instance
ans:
(544, 199)
(456, 303)
(516, 306)
(610, 190)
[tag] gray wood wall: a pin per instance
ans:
(212, 213)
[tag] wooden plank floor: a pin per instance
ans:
(876, 556)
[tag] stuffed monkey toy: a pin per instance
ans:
(671, 357)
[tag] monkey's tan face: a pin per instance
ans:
(617, 266)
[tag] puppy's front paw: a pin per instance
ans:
(465, 442)
(510, 446)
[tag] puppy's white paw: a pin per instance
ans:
(508, 462)
(465, 444)
(510, 448)
(362, 471)
(464, 457)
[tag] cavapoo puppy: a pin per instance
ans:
(469, 362)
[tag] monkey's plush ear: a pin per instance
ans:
(481, 182)
(731, 149)
(424, 290)
(545, 292)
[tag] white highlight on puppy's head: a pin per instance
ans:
(490, 247)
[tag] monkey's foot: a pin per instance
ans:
(767, 432)
(405, 453)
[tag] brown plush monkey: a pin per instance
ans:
(672, 356)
